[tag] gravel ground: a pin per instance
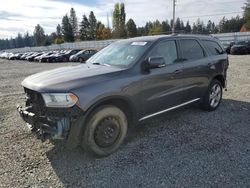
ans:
(184, 148)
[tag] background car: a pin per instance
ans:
(23, 57)
(227, 46)
(64, 57)
(82, 56)
(240, 48)
(31, 58)
(38, 58)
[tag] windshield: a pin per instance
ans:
(79, 53)
(121, 53)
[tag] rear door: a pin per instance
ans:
(195, 68)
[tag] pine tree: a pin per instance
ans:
(67, 30)
(119, 20)
(178, 25)
(73, 21)
(122, 21)
(92, 26)
(19, 41)
(84, 28)
(59, 31)
(28, 40)
(116, 21)
(39, 36)
(166, 28)
(188, 28)
(131, 28)
(247, 15)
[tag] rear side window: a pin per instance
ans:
(213, 47)
(191, 49)
(165, 49)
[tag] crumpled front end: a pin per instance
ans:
(51, 123)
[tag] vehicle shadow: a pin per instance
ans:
(160, 152)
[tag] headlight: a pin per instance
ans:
(59, 100)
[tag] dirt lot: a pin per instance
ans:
(183, 148)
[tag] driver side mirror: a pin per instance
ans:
(155, 62)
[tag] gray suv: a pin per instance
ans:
(94, 104)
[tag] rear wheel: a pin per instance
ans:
(105, 130)
(212, 99)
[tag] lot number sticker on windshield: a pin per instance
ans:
(139, 43)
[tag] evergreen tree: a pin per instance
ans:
(141, 31)
(119, 20)
(19, 41)
(59, 31)
(116, 21)
(131, 28)
(122, 21)
(67, 30)
(92, 26)
(84, 28)
(39, 36)
(178, 25)
(188, 28)
(73, 21)
(247, 15)
(28, 40)
(166, 28)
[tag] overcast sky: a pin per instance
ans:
(22, 15)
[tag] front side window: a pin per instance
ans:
(213, 47)
(191, 49)
(165, 49)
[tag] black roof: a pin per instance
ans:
(158, 37)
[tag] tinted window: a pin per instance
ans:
(213, 47)
(191, 49)
(165, 49)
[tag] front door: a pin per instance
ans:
(162, 86)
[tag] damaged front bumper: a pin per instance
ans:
(54, 125)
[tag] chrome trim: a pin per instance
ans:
(169, 109)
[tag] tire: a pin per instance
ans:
(212, 99)
(105, 131)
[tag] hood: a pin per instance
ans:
(66, 79)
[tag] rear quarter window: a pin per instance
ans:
(213, 47)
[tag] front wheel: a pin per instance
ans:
(212, 98)
(105, 130)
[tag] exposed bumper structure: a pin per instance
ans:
(45, 127)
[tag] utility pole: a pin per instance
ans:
(173, 26)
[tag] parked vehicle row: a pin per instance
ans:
(51, 56)
(238, 48)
